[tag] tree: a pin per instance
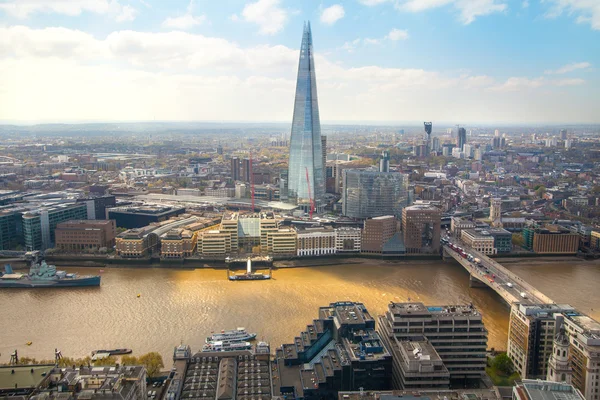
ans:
(518, 240)
(153, 362)
(129, 360)
(540, 190)
(503, 364)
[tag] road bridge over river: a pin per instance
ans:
(492, 274)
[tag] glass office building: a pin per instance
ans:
(369, 194)
(306, 156)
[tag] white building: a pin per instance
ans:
(479, 240)
(315, 241)
(348, 240)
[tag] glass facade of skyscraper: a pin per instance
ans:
(305, 144)
(368, 194)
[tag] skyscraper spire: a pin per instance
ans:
(305, 141)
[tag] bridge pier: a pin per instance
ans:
(475, 282)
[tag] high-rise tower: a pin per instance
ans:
(305, 143)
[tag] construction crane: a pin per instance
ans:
(310, 199)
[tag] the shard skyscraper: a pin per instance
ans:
(305, 144)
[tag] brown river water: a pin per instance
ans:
(177, 305)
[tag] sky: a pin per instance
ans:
(461, 61)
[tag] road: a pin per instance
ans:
(508, 285)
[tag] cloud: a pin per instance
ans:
(267, 14)
(525, 4)
(372, 2)
(351, 46)
(185, 21)
(569, 68)
(24, 8)
(332, 14)
(130, 75)
(515, 84)
(587, 11)
(468, 10)
(397, 34)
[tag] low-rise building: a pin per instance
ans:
(348, 240)
(479, 240)
(137, 243)
(95, 383)
(502, 240)
(214, 242)
(421, 225)
(315, 241)
(80, 235)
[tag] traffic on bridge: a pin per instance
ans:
(483, 269)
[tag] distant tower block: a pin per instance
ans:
(428, 127)
(496, 212)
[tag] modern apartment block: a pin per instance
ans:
(456, 333)
(421, 225)
(39, 225)
(85, 234)
(531, 333)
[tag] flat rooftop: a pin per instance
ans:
(435, 311)
(544, 390)
(24, 376)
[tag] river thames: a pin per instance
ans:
(178, 305)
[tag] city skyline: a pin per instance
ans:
(492, 61)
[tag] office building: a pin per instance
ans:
(97, 205)
(214, 242)
(306, 154)
(137, 242)
(461, 140)
(282, 242)
(230, 224)
(235, 168)
(384, 162)
(502, 240)
(568, 144)
(563, 134)
(545, 390)
(421, 225)
(377, 232)
(348, 240)
(457, 224)
(80, 235)
(138, 217)
(456, 332)
(531, 333)
(551, 239)
(584, 353)
(178, 243)
(368, 194)
(339, 350)
(315, 241)
(10, 228)
(447, 149)
(39, 225)
(479, 240)
(416, 365)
